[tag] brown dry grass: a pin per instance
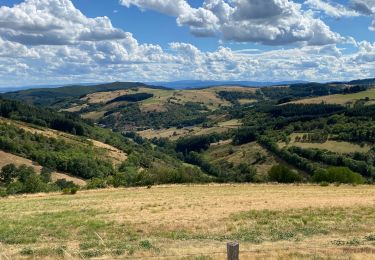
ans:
(182, 220)
(75, 108)
(246, 153)
(161, 99)
(172, 133)
(340, 99)
(94, 115)
(233, 88)
(104, 97)
(114, 154)
(206, 97)
(333, 146)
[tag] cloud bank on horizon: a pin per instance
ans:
(52, 41)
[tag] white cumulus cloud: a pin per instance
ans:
(53, 22)
(52, 42)
(332, 9)
(273, 22)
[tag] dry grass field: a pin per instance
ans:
(192, 222)
(162, 97)
(333, 146)
(340, 99)
(173, 133)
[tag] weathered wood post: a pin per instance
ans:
(233, 251)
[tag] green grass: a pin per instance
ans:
(295, 225)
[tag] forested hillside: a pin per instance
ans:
(221, 134)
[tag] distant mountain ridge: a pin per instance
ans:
(52, 96)
(20, 88)
(187, 84)
(183, 84)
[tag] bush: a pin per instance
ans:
(96, 183)
(281, 173)
(14, 188)
(46, 174)
(8, 173)
(338, 175)
(71, 191)
(64, 184)
(66, 191)
(3, 192)
(34, 184)
(127, 177)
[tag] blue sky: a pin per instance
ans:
(146, 25)
(68, 41)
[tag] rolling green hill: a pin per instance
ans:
(60, 97)
(127, 134)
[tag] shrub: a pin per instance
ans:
(70, 191)
(96, 183)
(8, 173)
(73, 191)
(3, 192)
(127, 177)
(145, 244)
(281, 173)
(46, 174)
(337, 175)
(164, 175)
(14, 188)
(66, 191)
(63, 184)
(33, 184)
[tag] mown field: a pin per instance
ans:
(192, 222)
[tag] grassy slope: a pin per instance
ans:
(7, 158)
(333, 146)
(247, 153)
(161, 98)
(173, 133)
(52, 96)
(341, 99)
(279, 222)
(103, 150)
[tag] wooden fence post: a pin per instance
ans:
(233, 251)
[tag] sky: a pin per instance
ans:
(75, 41)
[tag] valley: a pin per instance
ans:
(135, 171)
(187, 129)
